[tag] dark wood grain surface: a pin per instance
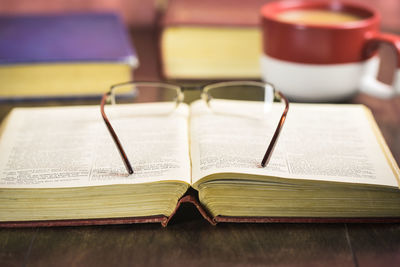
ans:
(190, 240)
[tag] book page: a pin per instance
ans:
(318, 142)
(71, 147)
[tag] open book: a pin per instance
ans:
(59, 165)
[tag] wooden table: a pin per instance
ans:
(191, 241)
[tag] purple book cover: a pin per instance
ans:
(81, 37)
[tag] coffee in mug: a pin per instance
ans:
(317, 16)
(324, 51)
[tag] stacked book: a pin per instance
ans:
(211, 40)
(63, 55)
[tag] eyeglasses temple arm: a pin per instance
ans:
(275, 137)
(114, 135)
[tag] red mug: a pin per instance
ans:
(325, 61)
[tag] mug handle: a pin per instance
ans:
(369, 83)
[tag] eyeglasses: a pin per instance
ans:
(262, 92)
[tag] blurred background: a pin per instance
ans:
(143, 13)
(145, 20)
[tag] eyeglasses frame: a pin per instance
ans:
(180, 96)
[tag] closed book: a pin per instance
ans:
(63, 55)
(211, 39)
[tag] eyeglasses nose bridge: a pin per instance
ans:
(206, 97)
(179, 97)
